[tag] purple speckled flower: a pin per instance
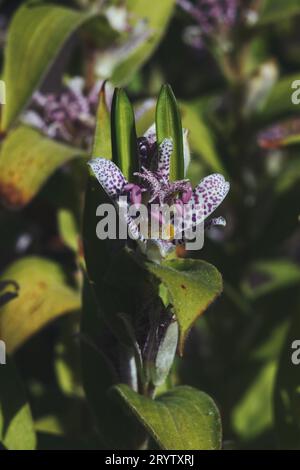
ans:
(68, 116)
(277, 135)
(211, 16)
(154, 187)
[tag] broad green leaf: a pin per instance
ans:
(278, 10)
(27, 160)
(44, 295)
(155, 21)
(182, 419)
(16, 425)
(268, 276)
(169, 126)
(253, 414)
(102, 139)
(200, 137)
(193, 285)
(124, 139)
(36, 35)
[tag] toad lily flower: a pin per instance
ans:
(154, 191)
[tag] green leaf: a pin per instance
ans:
(279, 101)
(68, 229)
(193, 285)
(168, 125)
(289, 176)
(287, 391)
(200, 137)
(27, 160)
(182, 419)
(124, 139)
(277, 10)
(36, 35)
(253, 414)
(16, 425)
(102, 139)
(155, 21)
(268, 276)
(165, 355)
(44, 295)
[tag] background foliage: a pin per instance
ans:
(59, 389)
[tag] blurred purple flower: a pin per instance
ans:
(279, 134)
(68, 116)
(212, 15)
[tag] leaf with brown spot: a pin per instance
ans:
(43, 296)
(193, 285)
(27, 160)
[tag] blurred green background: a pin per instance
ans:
(235, 95)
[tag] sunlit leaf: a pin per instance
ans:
(169, 126)
(124, 143)
(155, 20)
(102, 139)
(253, 414)
(44, 295)
(182, 419)
(16, 425)
(27, 160)
(200, 137)
(36, 35)
(277, 10)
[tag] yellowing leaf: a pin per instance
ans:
(44, 295)
(27, 160)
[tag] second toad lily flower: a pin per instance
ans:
(153, 188)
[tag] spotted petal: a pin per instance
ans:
(164, 156)
(208, 195)
(108, 175)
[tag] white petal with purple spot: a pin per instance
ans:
(108, 175)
